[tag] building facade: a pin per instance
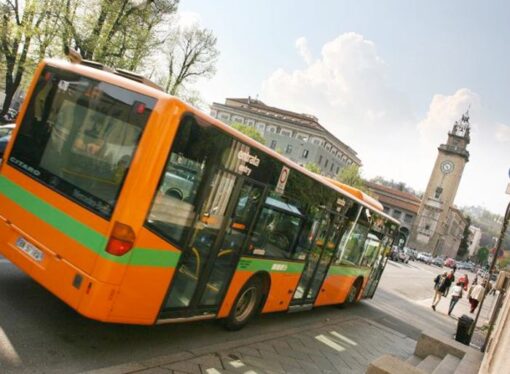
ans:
(431, 231)
(299, 137)
(400, 205)
(456, 223)
(475, 237)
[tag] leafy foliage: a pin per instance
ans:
(123, 34)
(351, 176)
(464, 243)
(314, 168)
(482, 256)
(250, 131)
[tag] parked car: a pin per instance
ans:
(450, 262)
(5, 136)
(10, 116)
(411, 253)
(402, 256)
(424, 257)
(438, 261)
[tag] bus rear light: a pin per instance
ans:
(121, 240)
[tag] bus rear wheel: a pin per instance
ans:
(245, 306)
(353, 293)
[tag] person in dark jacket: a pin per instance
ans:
(442, 285)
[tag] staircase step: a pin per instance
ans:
(414, 360)
(447, 365)
(429, 363)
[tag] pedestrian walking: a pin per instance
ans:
(456, 295)
(475, 296)
(438, 285)
(465, 281)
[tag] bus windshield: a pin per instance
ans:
(78, 137)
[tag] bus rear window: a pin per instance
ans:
(79, 135)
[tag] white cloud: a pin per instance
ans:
(346, 87)
(304, 51)
(502, 133)
(444, 111)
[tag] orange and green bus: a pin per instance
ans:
(133, 207)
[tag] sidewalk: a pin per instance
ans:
(389, 324)
(338, 346)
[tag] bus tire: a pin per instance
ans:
(353, 294)
(245, 306)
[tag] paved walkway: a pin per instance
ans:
(343, 346)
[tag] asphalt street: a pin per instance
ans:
(40, 334)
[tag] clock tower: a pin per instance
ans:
(431, 226)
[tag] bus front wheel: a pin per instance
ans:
(245, 306)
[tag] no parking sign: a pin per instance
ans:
(282, 180)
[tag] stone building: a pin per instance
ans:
(299, 137)
(454, 232)
(432, 231)
(399, 204)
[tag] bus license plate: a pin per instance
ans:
(29, 249)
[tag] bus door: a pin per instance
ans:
(207, 265)
(377, 270)
(320, 257)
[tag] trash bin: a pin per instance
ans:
(464, 325)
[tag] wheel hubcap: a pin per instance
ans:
(246, 303)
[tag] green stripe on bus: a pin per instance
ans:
(347, 270)
(272, 266)
(154, 257)
(53, 216)
(81, 233)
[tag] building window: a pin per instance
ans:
(271, 129)
(438, 192)
(320, 159)
(250, 122)
(326, 163)
(328, 147)
(338, 169)
(305, 153)
(408, 218)
(224, 117)
(260, 127)
(332, 166)
(273, 144)
(316, 141)
(238, 119)
(397, 213)
(289, 148)
(285, 132)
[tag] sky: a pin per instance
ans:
(388, 78)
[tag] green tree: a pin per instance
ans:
(250, 131)
(314, 168)
(464, 243)
(19, 24)
(351, 176)
(119, 33)
(482, 256)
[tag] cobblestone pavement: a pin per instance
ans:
(346, 346)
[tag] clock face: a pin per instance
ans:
(447, 167)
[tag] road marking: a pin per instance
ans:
(344, 338)
(236, 363)
(330, 343)
(7, 351)
(212, 371)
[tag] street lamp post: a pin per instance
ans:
(506, 218)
